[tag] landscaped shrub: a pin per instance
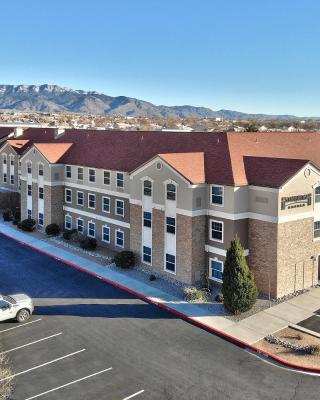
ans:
(152, 277)
(52, 229)
(219, 298)
(67, 233)
(238, 288)
(193, 294)
(28, 225)
(7, 215)
(125, 259)
(16, 217)
(88, 243)
(19, 225)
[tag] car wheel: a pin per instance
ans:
(23, 315)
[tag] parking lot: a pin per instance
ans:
(90, 340)
(312, 323)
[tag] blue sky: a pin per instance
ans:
(245, 55)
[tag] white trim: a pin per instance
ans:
(97, 190)
(65, 195)
(116, 207)
(188, 213)
(289, 218)
(88, 230)
(103, 171)
(78, 179)
(115, 238)
(80, 205)
(95, 201)
(215, 204)
(65, 171)
(65, 217)
(210, 230)
(221, 252)
(105, 226)
(210, 269)
(119, 172)
(175, 264)
(80, 219)
(158, 206)
(147, 178)
(92, 169)
(263, 189)
(142, 252)
(136, 202)
(97, 217)
(42, 164)
(103, 210)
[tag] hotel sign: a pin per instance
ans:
(301, 200)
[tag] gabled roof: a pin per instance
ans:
(18, 145)
(271, 172)
(5, 131)
(189, 165)
(53, 151)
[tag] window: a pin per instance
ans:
(317, 195)
(171, 225)
(105, 234)
(216, 270)
(217, 195)
(91, 200)
(12, 179)
(80, 225)
(11, 160)
(316, 229)
(40, 170)
(4, 159)
(40, 219)
(119, 238)
(91, 229)
(216, 231)
(4, 177)
(29, 190)
(68, 222)
(170, 263)
(171, 192)
(120, 207)
(4, 305)
(29, 167)
(106, 177)
(147, 188)
(106, 204)
(80, 174)
(68, 196)
(29, 214)
(80, 198)
(147, 254)
(40, 192)
(68, 171)
(147, 219)
(92, 175)
(120, 180)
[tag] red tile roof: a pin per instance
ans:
(18, 145)
(189, 165)
(271, 172)
(53, 151)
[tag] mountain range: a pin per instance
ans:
(54, 98)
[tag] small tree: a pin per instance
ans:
(238, 288)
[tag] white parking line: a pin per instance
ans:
(68, 384)
(31, 343)
(134, 395)
(42, 365)
(21, 326)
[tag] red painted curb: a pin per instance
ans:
(185, 317)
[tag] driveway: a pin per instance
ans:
(90, 340)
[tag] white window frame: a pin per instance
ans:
(106, 197)
(39, 219)
(78, 204)
(41, 198)
(95, 201)
(210, 230)
(109, 172)
(175, 225)
(80, 168)
(4, 159)
(121, 173)
(102, 234)
(143, 253)
(176, 190)
(29, 213)
(29, 163)
(314, 237)
(11, 160)
(65, 195)
(116, 239)
(80, 219)
(94, 224)
(210, 269)
(175, 264)
(146, 219)
(30, 195)
(66, 172)
(316, 195)
(65, 221)
(94, 175)
(11, 179)
(4, 177)
(116, 207)
(215, 204)
(151, 189)
(42, 166)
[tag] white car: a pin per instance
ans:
(18, 306)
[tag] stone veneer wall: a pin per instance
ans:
(136, 230)
(158, 221)
(24, 212)
(53, 205)
(9, 200)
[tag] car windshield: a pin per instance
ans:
(9, 299)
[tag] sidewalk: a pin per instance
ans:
(248, 330)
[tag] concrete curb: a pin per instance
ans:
(185, 317)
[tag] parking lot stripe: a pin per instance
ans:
(21, 326)
(31, 343)
(68, 384)
(42, 365)
(134, 395)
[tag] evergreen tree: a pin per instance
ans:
(238, 288)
